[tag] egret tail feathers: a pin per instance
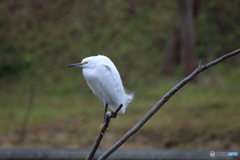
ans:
(128, 97)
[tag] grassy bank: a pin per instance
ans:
(202, 115)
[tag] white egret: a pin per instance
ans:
(104, 80)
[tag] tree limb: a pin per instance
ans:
(164, 99)
(99, 137)
(108, 117)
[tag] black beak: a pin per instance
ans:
(73, 65)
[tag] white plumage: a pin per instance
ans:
(104, 80)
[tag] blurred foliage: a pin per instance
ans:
(217, 28)
(39, 38)
(62, 32)
(38, 35)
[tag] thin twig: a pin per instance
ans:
(162, 101)
(24, 126)
(108, 117)
(37, 78)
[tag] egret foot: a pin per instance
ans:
(114, 115)
(100, 129)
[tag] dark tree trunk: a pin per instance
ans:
(182, 42)
(172, 50)
(187, 36)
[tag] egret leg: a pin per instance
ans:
(105, 111)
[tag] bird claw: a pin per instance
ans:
(114, 115)
(100, 129)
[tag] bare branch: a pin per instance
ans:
(99, 137)
(108, 117)
(162, 101)
(200, 62)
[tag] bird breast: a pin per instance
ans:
(90, 75)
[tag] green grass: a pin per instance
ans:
(201, 115)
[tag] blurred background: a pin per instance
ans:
(154, 44)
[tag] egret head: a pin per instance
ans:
(86, 63)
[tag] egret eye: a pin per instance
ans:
(85, 63)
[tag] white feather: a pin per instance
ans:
(104, 80)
